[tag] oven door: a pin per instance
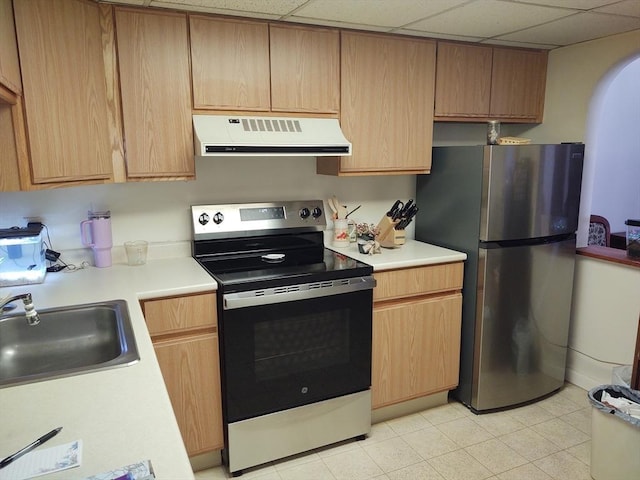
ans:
(291, 346)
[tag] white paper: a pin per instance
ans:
(44, 460)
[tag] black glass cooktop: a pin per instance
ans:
(263, 262)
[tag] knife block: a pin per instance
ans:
(389, 237)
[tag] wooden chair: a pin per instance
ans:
(599, 231)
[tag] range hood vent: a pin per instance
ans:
(222, 135)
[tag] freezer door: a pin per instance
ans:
(522, 322)
(530, 191)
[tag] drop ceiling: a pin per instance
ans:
(526, 23)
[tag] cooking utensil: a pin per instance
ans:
(341, 210)
(347, 215)
(332, 207)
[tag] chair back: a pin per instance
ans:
(599, 231)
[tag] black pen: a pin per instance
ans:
(31, 446)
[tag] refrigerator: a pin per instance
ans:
(514, 211)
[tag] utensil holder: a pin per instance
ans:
(389, 237)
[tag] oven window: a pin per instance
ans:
(301, 344)
(290, 354)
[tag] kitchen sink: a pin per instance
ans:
(68, 341)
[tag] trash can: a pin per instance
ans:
(615, 436)
(621, 375)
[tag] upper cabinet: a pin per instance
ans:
(387, 94)
(254, 66)
(463, 80)
(230, 64)
(305, 69)
(9, 63)
(153, 56)
(63, 79)
(478, 83)
(518, 80)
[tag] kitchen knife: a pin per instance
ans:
(395, 209)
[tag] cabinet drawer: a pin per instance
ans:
(176, 314)
(410, 282)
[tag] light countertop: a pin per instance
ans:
(124, 415)
(411, 254)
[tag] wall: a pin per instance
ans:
(159, 211)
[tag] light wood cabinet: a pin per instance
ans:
(386, 105)
(463, 80)
(479, 83)
(242, 65)
(9, 63)
(417, 318)
(10, 174)
(155, 83)
(518, 83)
(63, 79)
(185, 338)
(305, 69)
(230, 64)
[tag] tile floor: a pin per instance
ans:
(550, 439)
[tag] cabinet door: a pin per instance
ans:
(64, 88)
(305, 69)
(191, 372)
(518, 84)
(387, 103)
(463, 80)
(230, 64)
(9, 64)
(10, 176)
(180, 314)
(153, 54)
(416, 348)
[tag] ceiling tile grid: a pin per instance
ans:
(529, 23)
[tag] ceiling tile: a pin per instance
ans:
(627, 7)
(508, 43)
(489, 18)
(576, 28)
(380, 13)
(576, 4)
(272, 7)
(418, 33)
(337, 24)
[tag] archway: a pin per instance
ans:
(611, 176)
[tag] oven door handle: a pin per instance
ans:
(292, 293)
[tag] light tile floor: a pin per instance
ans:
(550, 439)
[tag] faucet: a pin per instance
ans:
(29, 310)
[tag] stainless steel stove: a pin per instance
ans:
(294, 327)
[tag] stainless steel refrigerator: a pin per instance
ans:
(514, 211)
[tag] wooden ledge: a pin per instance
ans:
(614, 255)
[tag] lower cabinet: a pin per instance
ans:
(417, 318)
(185, 338)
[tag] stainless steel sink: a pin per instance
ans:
(67, 341)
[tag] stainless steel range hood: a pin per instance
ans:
(226, 135)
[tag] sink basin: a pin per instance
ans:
(67, 341)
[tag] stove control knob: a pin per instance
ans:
(218, 218)
(304, 213)
(203, 219)
(316, 212)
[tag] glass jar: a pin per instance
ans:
(493, 132)
(633, 239)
